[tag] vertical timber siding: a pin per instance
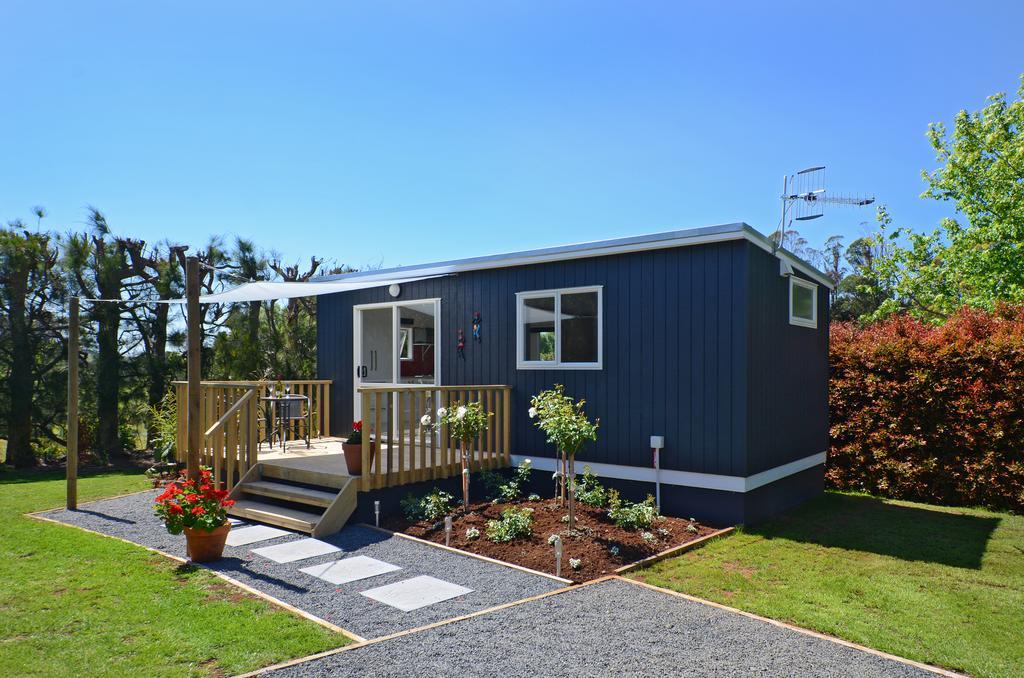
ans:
(676, 341)
(787, 399)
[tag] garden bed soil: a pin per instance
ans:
(595, 535)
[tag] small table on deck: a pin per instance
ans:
(286, 409)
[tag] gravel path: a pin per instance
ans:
(609, 628)
(132, 518)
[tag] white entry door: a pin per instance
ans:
(395, 344)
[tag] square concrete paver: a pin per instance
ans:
(296, 550)
(350, 569)
(412, 594)
(250, 535)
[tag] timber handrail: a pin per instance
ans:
(251, 393)
(234, 421)
(398, 448)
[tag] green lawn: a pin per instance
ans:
(73, 603)
(934, 584)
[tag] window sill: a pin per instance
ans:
(559, 366)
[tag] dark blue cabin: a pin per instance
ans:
(709, 338)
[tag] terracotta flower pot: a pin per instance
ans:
(205, 547)
(354, 457)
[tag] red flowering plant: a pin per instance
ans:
(356, 437)
(186, 503)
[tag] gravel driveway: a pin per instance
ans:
(609, 628)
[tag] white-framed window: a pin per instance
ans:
(560, 329)
(803, 302)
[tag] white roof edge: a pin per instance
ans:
(599, 248)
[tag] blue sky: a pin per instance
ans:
(404, 132)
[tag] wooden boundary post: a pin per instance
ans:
(194, 328)
(72, 435)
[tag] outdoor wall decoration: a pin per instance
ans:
(461, 343)
(476, 326)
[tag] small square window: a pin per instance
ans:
(803, 303)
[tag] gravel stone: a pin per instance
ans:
(132, 518)
(608, 628)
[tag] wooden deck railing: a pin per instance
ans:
(398, 449)
(235, 421)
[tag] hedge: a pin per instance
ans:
(930, 413)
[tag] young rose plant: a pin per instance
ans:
(464, 423)
(198, 505)
(568, 428)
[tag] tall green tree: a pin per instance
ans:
(860, 292)
(100, 266)
(160, 277)
(31, 292)
(976, 257)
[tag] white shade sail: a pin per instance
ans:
(267, 291)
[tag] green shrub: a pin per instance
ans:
(633, 516)
(591, 492)
(507, 489)
(492, 482)
(432, 506)
(163, 421)
(513, 524)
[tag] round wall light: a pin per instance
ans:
(394, 290)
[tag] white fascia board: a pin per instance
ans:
(705, 481)
(641, 243)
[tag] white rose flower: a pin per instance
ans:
(533, 412)
(442, 412)
(460, 413)
(526, 462)
(425, 420)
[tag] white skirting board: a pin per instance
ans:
(706, 481)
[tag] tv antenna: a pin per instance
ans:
(804, 198)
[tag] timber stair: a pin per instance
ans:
(315, 504)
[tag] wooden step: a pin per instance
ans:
(326, 470)
(282, 516)
(340, 510)
(292, 493)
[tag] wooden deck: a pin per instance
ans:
(324, 462)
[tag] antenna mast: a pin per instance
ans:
(804, 198)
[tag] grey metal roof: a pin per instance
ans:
(651, 241)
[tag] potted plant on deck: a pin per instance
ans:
(353, 448)
(199, 510)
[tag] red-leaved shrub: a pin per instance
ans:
(930, 413)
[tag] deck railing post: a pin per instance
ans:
(366, 441)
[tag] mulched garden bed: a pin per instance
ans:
(595, 536)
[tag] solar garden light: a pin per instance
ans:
(376, 513)
(447, 530)
(557, 542)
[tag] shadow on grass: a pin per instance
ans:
(860, 523)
